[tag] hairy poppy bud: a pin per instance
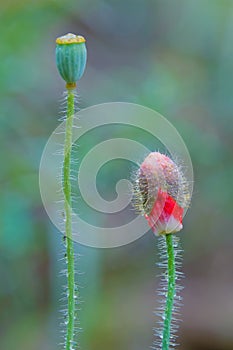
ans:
(161, 193)
(71, 56)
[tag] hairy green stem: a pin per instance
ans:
(68, 222)
(171, 290)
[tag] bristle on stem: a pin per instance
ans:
(169, 292)
(68, 223)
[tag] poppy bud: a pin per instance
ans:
(71, 56)
(161, 193)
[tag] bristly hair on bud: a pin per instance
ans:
(161, 193)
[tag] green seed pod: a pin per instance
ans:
(71, 57)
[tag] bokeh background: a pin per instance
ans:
(173, 56)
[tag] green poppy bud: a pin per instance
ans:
(71, 57)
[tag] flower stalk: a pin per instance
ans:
(171, 291)
(68, 222)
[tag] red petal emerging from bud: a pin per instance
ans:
(161, 193)
(170, 219)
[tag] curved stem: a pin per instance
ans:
(68, 222)
(171, 290)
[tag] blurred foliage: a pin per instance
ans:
(172, 56)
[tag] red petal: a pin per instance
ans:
(164, 207)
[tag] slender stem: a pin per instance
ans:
(171, 290)
(68, 222)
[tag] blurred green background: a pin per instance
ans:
(172, 56)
